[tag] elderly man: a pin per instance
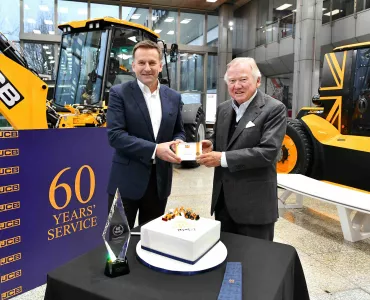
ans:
(244, 147)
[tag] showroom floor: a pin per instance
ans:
(334, 268)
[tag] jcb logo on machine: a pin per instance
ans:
(10, 259)
(11, 293)
(11, 276)
(9, 95)
(10, 242)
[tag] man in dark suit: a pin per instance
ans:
(144, 122)
(244, 148)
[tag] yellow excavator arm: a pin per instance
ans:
(22, 96)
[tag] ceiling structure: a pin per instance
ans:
(201, 5)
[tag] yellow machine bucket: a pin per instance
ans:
(22, 96)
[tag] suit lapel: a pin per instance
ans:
(166, 110)
(139, 98)
(251, 113)
(228, 114)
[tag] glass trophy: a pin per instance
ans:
(116, 236)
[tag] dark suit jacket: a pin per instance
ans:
(130, 132)
(250, 181)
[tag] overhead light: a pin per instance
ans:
(45, 47)
(124, 56)
(294, 10)
(48, 52)
(31, 21)
(157, 30)
(333, 12)
(51, 32)
(82, 11)
(284, 6)
(133, 38)
(44, 7)
(171, 32)
(169, 20)
(231, 23)
(48, 22)
(185, 21)
(36, 31)
(52, 61)
(135, 16)
(231, 28)
(50, 57)
(63, 10)
(324, 8)
(211, 0)
(26, 7)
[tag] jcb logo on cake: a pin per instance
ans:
(10, 242)
(68, 191)
(9, 170)
(10, 206)
(9, 188)
(10, 224)
(11, 276)
(11, 293)
(9, 95)
(10, 259)
(8, 134)
(9, 152)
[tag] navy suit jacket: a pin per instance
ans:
(130, 132)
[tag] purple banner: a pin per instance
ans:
(53, 201)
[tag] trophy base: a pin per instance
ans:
(117, 268)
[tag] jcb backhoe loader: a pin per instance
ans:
(94, 55)
(331, 141)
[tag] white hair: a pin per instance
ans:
(247, 60)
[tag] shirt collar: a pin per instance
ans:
(145, 89)
(244, 105)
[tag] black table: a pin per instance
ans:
(271, 271)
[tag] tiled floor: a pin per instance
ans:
(334, 268)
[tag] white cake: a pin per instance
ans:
(180, 238)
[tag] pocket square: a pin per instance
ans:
(250, 124)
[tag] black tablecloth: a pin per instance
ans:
(271, 271)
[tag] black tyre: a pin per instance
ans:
(296, 151)
(195, 132)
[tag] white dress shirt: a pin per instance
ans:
(239, 111)
(153, 102)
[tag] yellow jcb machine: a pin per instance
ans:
(331, 141)
(94, 55)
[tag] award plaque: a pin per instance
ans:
(188, 151)
(116, 236)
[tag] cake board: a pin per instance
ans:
(210, 261)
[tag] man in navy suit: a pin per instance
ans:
(144, 124)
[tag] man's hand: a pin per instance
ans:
(165, 153)
(211, 159)
(173, 146)
(207, 146)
